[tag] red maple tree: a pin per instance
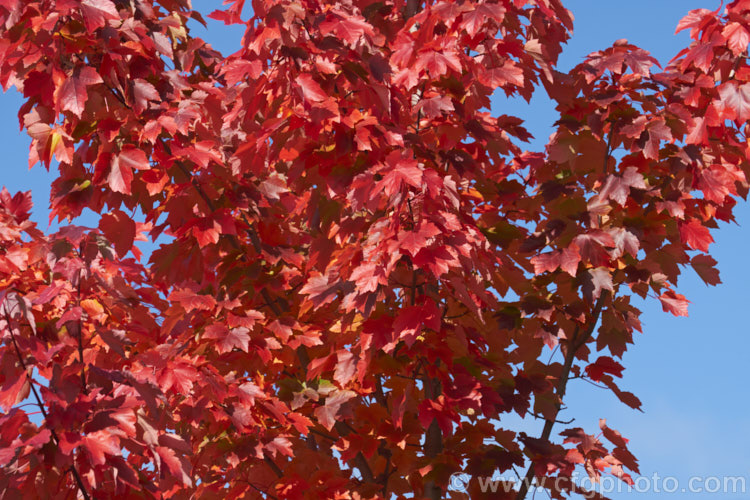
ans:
(358, 265)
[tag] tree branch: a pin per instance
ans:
(194, 182)
(608, 152)
(80, 337)
(40, 404)
(412, 8)
(264, 493)
(275, 468)
(254, 239)
(383, 478)
(433, 441)
(359, 461)
(575, 343)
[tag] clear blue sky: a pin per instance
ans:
(688, 372)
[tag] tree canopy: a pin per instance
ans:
(357, 265)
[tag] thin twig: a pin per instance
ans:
(541, 417)
(591, 382)
(262, 492)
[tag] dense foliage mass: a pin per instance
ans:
(358, 265)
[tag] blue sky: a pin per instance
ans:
(688, 372)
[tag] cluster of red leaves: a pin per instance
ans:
(359, 265)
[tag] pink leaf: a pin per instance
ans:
(134, 159)
(99, 444)
(736, 100)
(120, 177)
(675, 303)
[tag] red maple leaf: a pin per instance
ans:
(143, 92)
(99, 444)
(604, 364)
(346, 27)
(191, 300)
(735, 101)
(19, 205)
(696, 235)
(437, 63)
(327, 413)
(693, 20)
(311, 90)
(120, 176)
(346, 367)
(179, 468)
(133, 158)
(737, 37)
(228, 338)
(119, 229)
(96, 13)
(72, 92)
(596, 280)
(402, 172)
(13, 391)
(508, 73)
(479, 14)
(705, 266)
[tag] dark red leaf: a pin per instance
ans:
(119, 229)
(604, 364)
(705, 266)
(227, 338)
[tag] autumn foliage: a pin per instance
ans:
(356, 266)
